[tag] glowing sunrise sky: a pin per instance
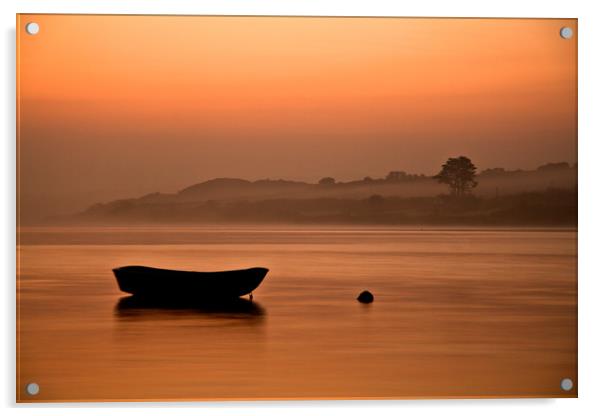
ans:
(115, 106)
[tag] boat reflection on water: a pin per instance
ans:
(237, 309)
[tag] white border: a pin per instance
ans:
(590, 200)
(508, 8)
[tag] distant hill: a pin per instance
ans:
(231, 188)
(397, 198)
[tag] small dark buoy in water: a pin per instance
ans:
(365, 297)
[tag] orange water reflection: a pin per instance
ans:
(456, 313)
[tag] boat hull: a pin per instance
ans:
(176, 284)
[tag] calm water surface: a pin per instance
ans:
(456, 313)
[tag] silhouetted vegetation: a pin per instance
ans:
(545, 196)
(459, 173)
(554, 166)
(327, 181)
(550, 207)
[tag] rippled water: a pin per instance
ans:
(456, 313)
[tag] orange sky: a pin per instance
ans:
(115, 106)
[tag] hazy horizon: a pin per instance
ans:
(345, 98)
(414, 185)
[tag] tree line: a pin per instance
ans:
(457, 172)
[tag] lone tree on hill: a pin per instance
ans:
(459, 173)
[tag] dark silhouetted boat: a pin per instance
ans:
(150, 282)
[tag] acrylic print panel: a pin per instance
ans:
(429, 162)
